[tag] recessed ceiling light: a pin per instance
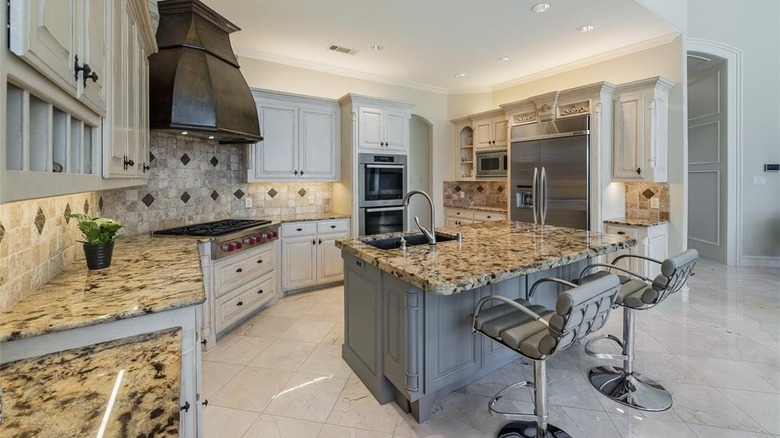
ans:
(377, 47)
(184, 133)
(540, 7)
(461, 75)
(503, 59)
(585, 28)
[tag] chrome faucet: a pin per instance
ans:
(430, 234)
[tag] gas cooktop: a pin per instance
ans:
(213, 229)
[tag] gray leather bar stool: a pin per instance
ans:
(625, 385)
(537, 333)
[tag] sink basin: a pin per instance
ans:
(411, 240)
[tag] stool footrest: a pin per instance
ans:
(592, 353)
(510, 415)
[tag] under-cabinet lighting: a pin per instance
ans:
(184, 133)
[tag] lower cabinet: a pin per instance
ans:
(465, 216)
(309, 254)
(651, 242)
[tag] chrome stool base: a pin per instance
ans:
(528, 429)
(633, 390)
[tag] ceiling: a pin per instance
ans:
(427, 42)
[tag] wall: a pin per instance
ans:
(638, 197)
(758, 38)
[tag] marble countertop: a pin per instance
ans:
(490, 252)
(635, 222)
(144, 277)
(67, 394)
(480, 208)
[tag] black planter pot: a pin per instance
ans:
(98, 255)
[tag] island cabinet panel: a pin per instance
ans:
(363, 323)
(403, 337)
(494, 353)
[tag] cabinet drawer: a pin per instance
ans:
(299, 229)
(460, 213)
(488, 216)
(238, 304)
(244, 269)
(623, 231)
(340, 226)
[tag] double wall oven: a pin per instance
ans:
(381, 189)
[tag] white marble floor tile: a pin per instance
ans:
(336, 335)
(308, 330)
(491, 384)
(215, 375)
(726, 373)
(333, 431)
(284, 355)
(454, 415)
(271, 426)
(307, 397)
(669, 367)
(702, 404)
(290, 307)
(685, 342)
(252, 389)
(639, 427)
(712, 432)
(219, 422)
(240, 351)
(265, 326)
(356, 407)
(326, 311)
(326, 360)
(764, 408)
(572, 389)
(583, 422)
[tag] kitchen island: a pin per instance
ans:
(407, 335)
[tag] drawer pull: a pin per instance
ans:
(239, 270)
(489, 216)
(333, 226)
(260, 261)
(240, 303)
(299, 229)
(186, 407)
(621, 232)
(260, 291)
(359, 263)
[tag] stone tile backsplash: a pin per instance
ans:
(638, 198)
(479, 193)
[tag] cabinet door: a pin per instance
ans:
(143, 129)
(632, 264)
(370, 128)
(299, 265)
(93, 52)
(317, 150)
(500, 132)
(132, 92)
(43, 34)
(277, 154)
(116, 135)
(657, 249)
(330, 267)
(396, 131)
(483, 133)
(629, 137)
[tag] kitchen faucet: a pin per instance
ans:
(430, 234)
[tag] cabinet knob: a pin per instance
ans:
(205, 402)
(185, 407)
(296, 173)
(319, 241)
(239, 270)
(86, 69)
(638, 170)
(204, 342)
(621, 232)
(381, 143)
(260, 291)
(313, 241)
(333, 226)
(240, 303)
(301, 173)
(299, 229)
(260, 261)
(145, 167)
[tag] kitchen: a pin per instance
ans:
(161, 204)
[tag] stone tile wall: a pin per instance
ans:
(37, 241)
(480, 193)
(638, 196)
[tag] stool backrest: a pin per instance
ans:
(674, 273)
(580, 311)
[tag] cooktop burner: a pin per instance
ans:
(213, 229)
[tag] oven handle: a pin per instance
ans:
(374, 210)
(385, 166)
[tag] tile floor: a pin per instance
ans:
(716, 348)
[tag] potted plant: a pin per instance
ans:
(99, 235)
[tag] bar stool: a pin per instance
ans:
(536, 333)
(625, 385)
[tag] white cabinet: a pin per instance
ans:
(465, 216)
(383, 129)
(490, 132)
(640, 137)
(651, 242)
(300, 139)
(309, 253)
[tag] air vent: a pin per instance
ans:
(344, 50)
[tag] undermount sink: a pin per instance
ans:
(411, 240)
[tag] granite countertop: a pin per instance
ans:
(144, 277)
(480, 208)
(636, 222)
(303, 217)
(490, 252)
(67, 394)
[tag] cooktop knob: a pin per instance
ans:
(249, 240)
(238, 245)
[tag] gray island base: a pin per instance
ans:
(407, 336)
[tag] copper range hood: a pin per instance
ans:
(195, 84)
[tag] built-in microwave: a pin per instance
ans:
(491, 164)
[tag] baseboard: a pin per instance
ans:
(766, 262)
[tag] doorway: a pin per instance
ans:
(708, 157)
(419, 168)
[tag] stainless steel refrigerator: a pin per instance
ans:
(550, 172)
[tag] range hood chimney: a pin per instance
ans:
(194, 80)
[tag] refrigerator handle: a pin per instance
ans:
(534, 198)
(543, 195)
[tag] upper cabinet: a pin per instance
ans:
(483, 130)
(300, 139)
(382, 125)
(640, 136)
(490, 129)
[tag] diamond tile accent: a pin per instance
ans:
(151, 156)
(100, 204)
(185, 159)
(648, 193)
(214, 161)
(458, 188)
(302, 192)
(238, 194)
(480, 189)
(148, 199)
(214, 195)
(185, 197)
(68, 211)
(500, 189)
(86, 206)
(272, 193)
(40, 221)
(2, 233)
